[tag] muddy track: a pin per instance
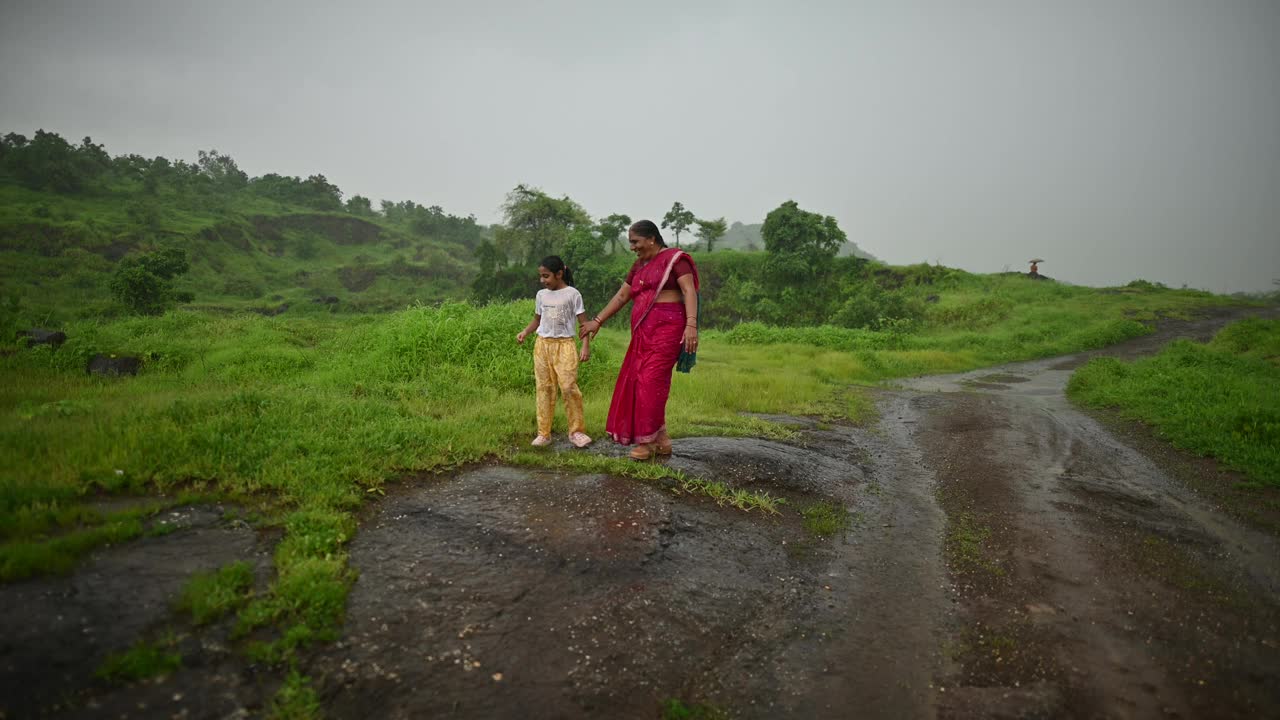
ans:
(1007, 556)
(1086, 582)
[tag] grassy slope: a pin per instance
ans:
(231, 400)
(57, 253)
(1220, 399)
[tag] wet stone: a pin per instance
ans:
(751, 462)
(581, 592)
(58, 630)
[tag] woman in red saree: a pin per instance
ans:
(663, 289)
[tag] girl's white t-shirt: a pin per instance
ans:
(559, 310)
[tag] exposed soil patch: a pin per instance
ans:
(342, 230)
(114, 251)
(357, 279)
(47, 240)
(229, 233)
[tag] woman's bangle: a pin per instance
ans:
(598, 321)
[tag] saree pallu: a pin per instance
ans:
(638, 412)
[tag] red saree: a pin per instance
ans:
(638, 413)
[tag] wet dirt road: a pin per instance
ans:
(1007, 557)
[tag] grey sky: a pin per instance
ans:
(1116, 138)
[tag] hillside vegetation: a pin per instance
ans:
(70, 213)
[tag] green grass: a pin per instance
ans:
(675, 709)
(295, 700)
(210, 596)
(742, 499)
(966, 545)
(982, 321)
(308, 598)
(825, 519)
(143, 660)
(20, 559)
(1219, 399)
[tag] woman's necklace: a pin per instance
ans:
(644, 265)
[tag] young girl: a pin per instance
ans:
(557, 311)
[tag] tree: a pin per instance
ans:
(611, 229)
(144, 283)
(47, 162)
(537, 224)
(325, 195)
(434, 222)
(221, 170)
(360, 205)
(709, 231)
(801, 248)
(314, 192)
(678, 219)
(594, 273)
(799, 237)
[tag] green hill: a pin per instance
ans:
(272, 244)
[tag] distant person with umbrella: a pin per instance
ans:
(1035, 268)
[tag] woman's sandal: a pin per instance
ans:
(663, 444)
(643, 451)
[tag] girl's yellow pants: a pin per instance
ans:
(555, 365)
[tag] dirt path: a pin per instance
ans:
(1007, 556)
(1088, 583)
(1085, 588)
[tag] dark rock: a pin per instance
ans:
(932, 299)
(271, 311)
(37, 336)
(110, 365)
(357, 279)
(327, 300)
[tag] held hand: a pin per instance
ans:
(590, 327)
(690, 339)
(520, 336)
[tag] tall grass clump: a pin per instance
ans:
(1219, 399)
(455, 343)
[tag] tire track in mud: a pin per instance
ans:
(1088, 584)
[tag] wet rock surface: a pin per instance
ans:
(517, 593)
(56, 631)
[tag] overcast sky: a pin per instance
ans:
(1116, 138)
